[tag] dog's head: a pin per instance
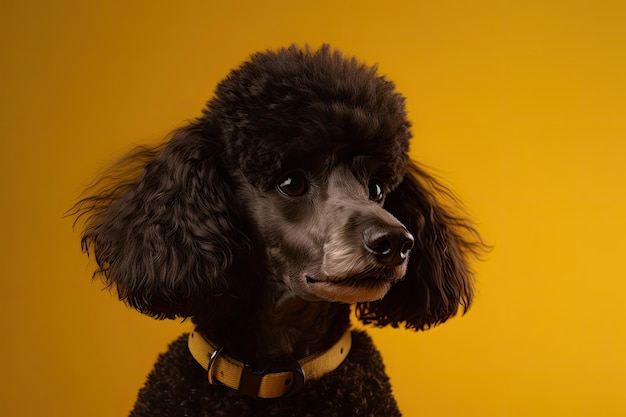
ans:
(299, 167)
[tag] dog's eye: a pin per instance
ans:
(293, 184)
(375, 190)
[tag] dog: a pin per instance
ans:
(288, 205)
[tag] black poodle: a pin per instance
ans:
(291, 199)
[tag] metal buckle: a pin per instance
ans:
(251, 376)
(212, 360)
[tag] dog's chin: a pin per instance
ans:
(346, 291)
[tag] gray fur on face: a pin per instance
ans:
(315, 242)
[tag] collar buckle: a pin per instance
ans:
(210, 370)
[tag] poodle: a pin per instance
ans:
(290, 204)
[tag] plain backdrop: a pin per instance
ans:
(519, 105)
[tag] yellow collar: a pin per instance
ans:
(271, 380)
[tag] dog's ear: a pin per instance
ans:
(164, 227)
(438, 279)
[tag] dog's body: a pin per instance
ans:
(178, 386)
(289, 200)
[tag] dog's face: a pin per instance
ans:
(326, 233)
(318, 141)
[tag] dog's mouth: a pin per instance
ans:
(310, 280)
(354, 282)
(351, 289)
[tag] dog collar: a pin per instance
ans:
(272, 379)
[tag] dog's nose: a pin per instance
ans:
(391, 245)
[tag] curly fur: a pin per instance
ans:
(200, 227)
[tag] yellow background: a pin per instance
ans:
(520, 105)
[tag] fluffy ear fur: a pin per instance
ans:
(167, 235)
(438, 278)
